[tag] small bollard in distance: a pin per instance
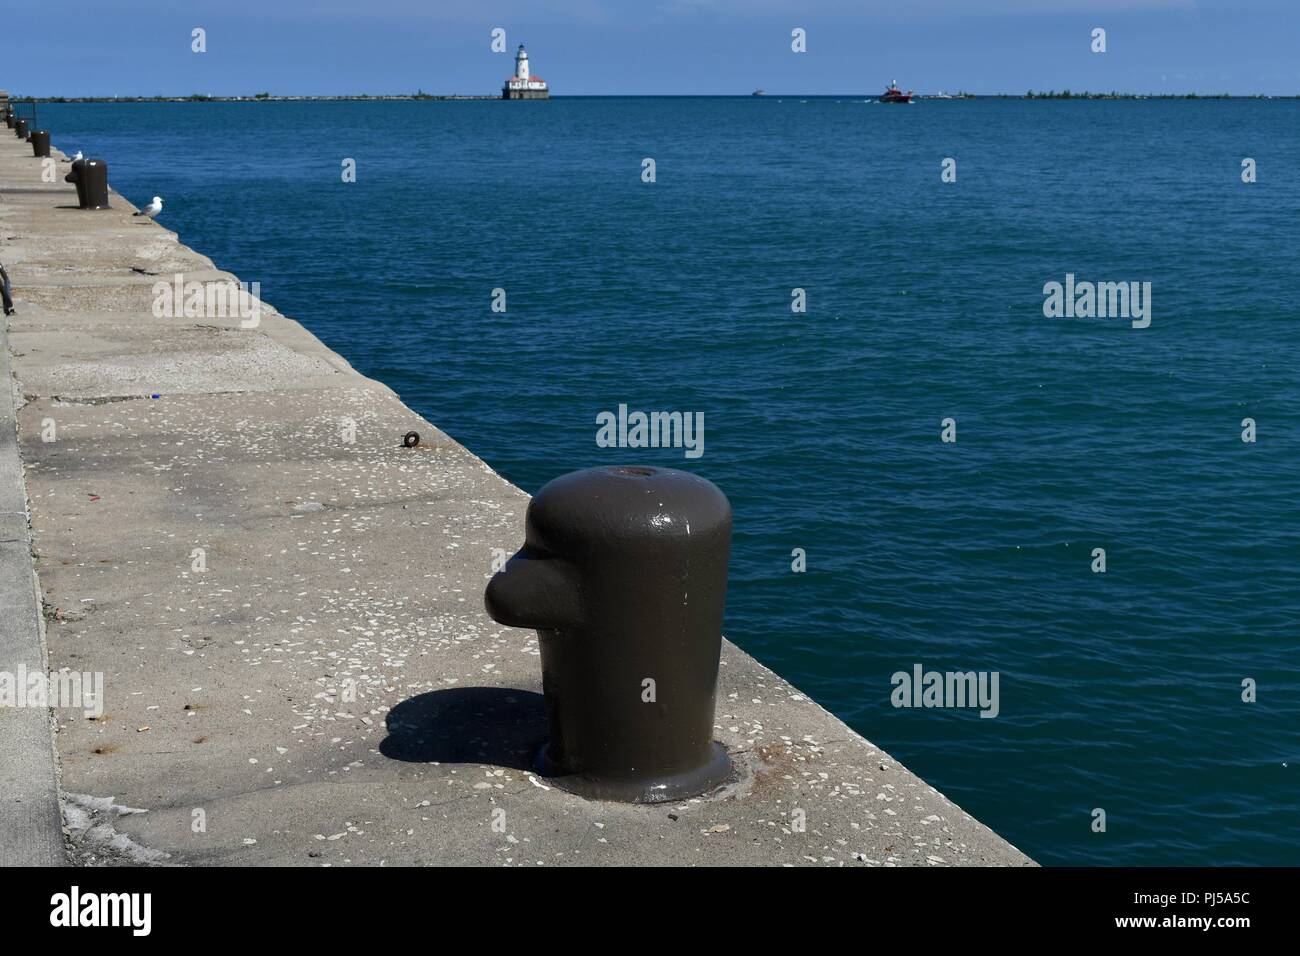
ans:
(74, 176)
(623, 574)
(9, 119)
(20, 129)
(40, 141)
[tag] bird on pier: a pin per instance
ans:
(152, 209)
(73, 159)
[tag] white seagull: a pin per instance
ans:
(77, 157)
(152, 209)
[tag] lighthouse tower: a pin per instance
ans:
(523, 85)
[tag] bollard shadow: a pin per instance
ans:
(496, 725)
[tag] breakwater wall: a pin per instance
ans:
(285, 606)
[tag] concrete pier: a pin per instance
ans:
(286, 606)
(30, 826)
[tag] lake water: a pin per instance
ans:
(1119, 690)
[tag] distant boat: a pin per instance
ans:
(894, 95)
(757, 93)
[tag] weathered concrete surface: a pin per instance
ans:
(333, 566)
(30, 828)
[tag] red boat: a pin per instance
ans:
(895, 95)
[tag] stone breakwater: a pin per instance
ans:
(286, 606)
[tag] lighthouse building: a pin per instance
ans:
(523, 85)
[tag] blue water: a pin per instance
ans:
(1119, 690)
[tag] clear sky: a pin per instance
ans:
(107, 47)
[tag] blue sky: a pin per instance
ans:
(593, 47)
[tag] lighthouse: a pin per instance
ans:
(523, 85)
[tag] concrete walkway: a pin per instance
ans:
(31, 832)
(287, 609)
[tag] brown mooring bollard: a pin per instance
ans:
(20, 129)
(74, 177)
(94, 177)
(40, 140)
(623, 574)
(91, 179)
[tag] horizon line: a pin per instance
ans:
(422, 95)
